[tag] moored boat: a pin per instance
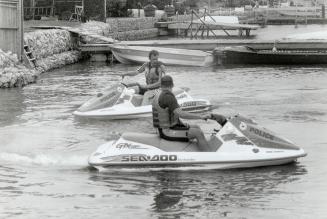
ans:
(248, 55)
(169, 56)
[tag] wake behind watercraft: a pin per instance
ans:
(240, 143)
(122, 102)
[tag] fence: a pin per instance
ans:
(11, 26)
(31, 12)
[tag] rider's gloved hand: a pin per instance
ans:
(143, 87)
(219, 118)
(206, 117)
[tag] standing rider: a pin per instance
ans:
(166, 117)
(154, 70)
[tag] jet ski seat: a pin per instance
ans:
(162, 144)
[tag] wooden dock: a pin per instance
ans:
(205, 23)
(103, 50)
(210, 44)
(243, 29)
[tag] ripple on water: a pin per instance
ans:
(305, 116)
(44, 147)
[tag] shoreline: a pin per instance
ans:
(54, 48)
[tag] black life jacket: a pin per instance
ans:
(162, 118)
(152, 77)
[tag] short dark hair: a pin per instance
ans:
(167, 81)
(153, 52)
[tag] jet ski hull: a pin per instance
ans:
(105, 115)
(119, 102)
(239, 144)
(192, 161)
(204, 165)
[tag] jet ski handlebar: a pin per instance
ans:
(222, 120)
(131, 84)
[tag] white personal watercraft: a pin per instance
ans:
(240, 143)
(122, 102)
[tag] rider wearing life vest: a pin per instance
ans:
(166, 117)
(154, 70)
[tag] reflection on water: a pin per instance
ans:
(184, 193)
(223, 190)
(44, 148)
(12, 105)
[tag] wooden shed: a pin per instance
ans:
(11, 26)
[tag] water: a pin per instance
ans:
(44, 149)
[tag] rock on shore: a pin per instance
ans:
(45, 43)
(13, 73)
(51, 48)
(58, 60)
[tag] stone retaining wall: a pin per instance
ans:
(52, 48)
(122, 28)
(129, 24)
(44, 43)
(128, 28)
(136, 34)
(13, 73)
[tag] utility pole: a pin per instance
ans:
(105, 11)
(296, 14)
(21, 31)
(33, 8)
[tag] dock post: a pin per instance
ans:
(192, 24)
(240, 32)
(247, 32)
(105, 11)
(203, 28)
(267, 14)
(33, 9)
(112, 59)
(197, 30)
(323, 11)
